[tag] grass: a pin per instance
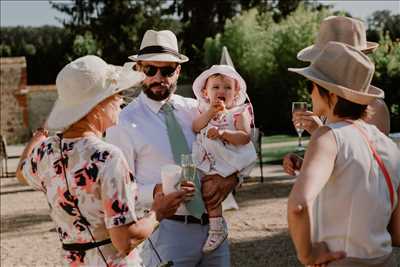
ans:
(274, 155)
(279, 138)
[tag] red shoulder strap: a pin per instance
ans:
(379, 161)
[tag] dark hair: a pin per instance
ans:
(344, 108)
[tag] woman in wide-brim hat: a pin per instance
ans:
(87, 182)
(343, 209)
(349, 31)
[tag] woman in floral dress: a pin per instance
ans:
(87, 182)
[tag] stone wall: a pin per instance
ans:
(13, 115)
(40, 99)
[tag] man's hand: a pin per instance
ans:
(216, 188)
(166, 205)
(190, 188)
(292, 163)
(307, 119)
(321, 256)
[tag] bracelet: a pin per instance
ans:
(41, 130)
(153, 214)
(150, 213)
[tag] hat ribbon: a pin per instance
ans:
(155, 49)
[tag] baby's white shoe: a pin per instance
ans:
(216, 234)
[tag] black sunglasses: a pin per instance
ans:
(151, 70)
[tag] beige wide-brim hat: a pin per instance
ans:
(83, 84)
(200, 82)
(159, 46)
(339, 29)
(344, 71)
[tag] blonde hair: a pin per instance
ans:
(95, 120)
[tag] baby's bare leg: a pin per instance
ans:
(212, 213)
(216, 212)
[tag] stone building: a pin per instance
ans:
(13, 115)
(23, 107)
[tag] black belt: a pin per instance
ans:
(85, 246)
(190, 219)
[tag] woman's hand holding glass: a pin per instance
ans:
(309, 121)
(299, 107)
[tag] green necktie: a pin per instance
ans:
(179, 146)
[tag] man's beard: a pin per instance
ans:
(161, 95)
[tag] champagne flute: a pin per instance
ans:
(188, 167)
(296, 107)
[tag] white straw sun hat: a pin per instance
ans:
(159, 46)
(338, 29)
(344, 71)
(226, 70)
(84, 83)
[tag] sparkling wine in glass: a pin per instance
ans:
(188, 168)
(296, 107)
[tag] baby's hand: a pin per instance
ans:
(217, 106)
(213, 133)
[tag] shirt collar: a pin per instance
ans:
(154, 105)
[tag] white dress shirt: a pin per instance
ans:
(142, 136)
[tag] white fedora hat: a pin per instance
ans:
(338, 29)
(84, 83)
(227, 70)
(344, 71)
(159, 46)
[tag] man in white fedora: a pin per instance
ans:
(352, 32)
(154, 131)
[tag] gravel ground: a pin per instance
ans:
(257, 232)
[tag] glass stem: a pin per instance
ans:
(300, 140)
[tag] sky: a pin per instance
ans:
(38, 13)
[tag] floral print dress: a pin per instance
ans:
(101, 185)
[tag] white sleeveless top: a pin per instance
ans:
(353, 210)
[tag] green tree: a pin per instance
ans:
(46, 50)
(5, 50)
(117, 26)
(85, 45)
(387, 75)
(383, 21)
(201, 19)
